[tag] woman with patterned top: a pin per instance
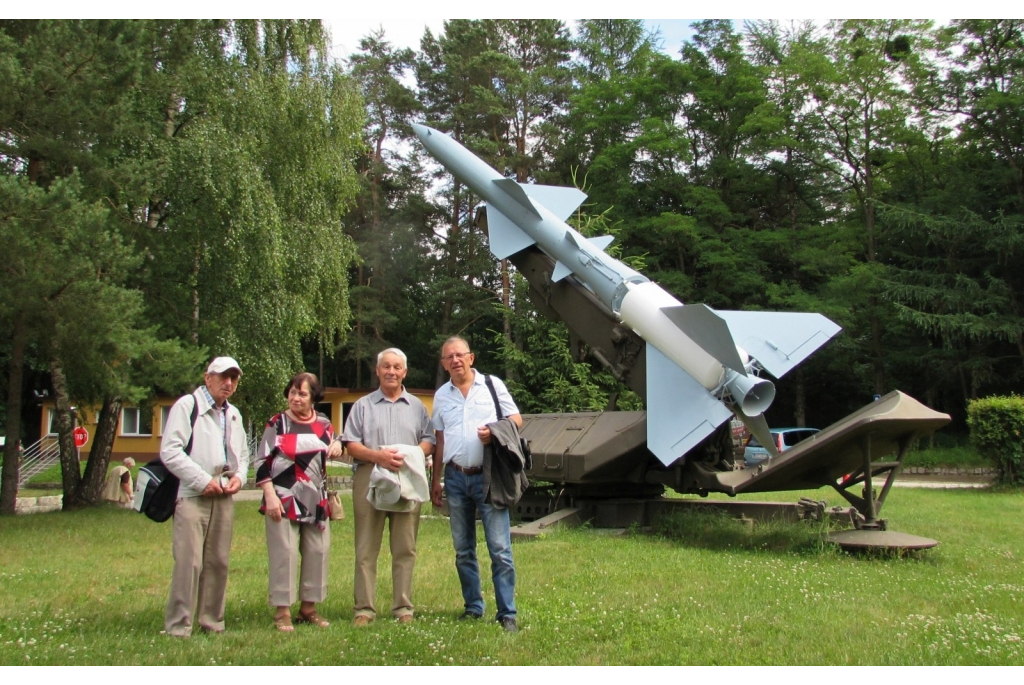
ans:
(290, 468)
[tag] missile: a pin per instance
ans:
(697, 374)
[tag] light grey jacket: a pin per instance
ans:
(411, 481)
(208, 453)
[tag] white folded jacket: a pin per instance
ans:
(401, 491)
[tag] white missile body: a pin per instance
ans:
(693, 361)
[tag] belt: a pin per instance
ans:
(470, 471)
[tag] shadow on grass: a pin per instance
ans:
(716, 530)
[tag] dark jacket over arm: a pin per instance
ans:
(504, 465)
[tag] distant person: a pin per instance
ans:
(291, 468)
(213, 471)
(462, 409)
(386, 428)
(118, 485)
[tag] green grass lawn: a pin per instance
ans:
(90, 587)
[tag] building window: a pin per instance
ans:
(51, 423)
(165, 412)
(134, 421)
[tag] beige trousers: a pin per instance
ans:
(286, 540)
(369, 526)
(202, 542)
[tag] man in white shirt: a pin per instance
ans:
(462, 409)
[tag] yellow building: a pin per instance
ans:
(139, 430)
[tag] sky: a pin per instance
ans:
(346, 31)
(404, 22)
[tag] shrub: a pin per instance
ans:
(997, 432)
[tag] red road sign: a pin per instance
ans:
(81, 436)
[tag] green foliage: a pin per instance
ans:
(545, 377)
(997, 428)
(257, 143)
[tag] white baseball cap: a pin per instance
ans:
(222, 364)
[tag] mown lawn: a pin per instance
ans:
(90, 587)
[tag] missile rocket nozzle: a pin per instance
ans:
(751, 394)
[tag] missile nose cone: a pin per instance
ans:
(421, 130)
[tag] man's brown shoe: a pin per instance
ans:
(405, 618)
(361, 621)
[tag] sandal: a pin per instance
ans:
(283, 623)
(312, 618)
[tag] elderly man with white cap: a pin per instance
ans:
(204, 445)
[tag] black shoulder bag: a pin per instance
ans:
(156, 490)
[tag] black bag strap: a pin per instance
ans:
(194, 416)
(494, 396)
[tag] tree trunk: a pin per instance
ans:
(70, 471)
(12, 451)
(90, 489)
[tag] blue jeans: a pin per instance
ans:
(465, 496)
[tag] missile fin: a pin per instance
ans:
(602, 242)
(680, 412)
(709, 331)
(558, 200)
(758, 427)
(516, 192)
(779, 340)
(504, 236)
(560, 272)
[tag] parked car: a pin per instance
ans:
(754, 452)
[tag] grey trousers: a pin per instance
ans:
(286, 541)
(369, 530)
(202, 543)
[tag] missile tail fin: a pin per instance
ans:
(558, 200)
(560, 272)
(758, 427)
(516, 192)
(602, 241)
(680, 412)
(709, 331)
(504, 236)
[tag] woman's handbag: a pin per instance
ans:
(334, 502)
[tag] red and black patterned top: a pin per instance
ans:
(293, 456)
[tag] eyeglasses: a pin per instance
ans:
(455, 355)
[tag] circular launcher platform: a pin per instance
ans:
(880, 539)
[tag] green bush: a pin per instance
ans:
(997, 432)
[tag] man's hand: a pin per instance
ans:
(435, 494)
(334, 451)
(234, 485)
(390, 459)
(484, 433)
(212, 489)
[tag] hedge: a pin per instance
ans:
(997, 432)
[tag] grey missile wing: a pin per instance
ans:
(504, 234)
(680, 412)
(779, 340)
